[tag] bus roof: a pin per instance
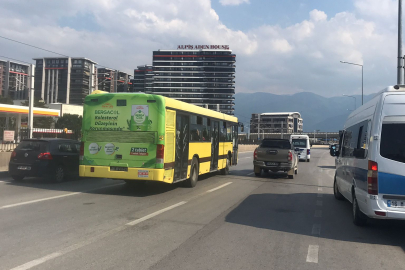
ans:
(180, 105)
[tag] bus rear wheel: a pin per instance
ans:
(192, 181)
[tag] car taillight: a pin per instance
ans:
(160, 152)
(13, 154)
(81, 151)
(290, 156)
(45, 155)
(308, 151)
(372, 178)
(255, 154)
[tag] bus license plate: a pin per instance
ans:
(24, 168)
(271, 163)
(119, 169)
(143, 173)
(396, 204)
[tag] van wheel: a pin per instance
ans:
(17, 178)
(336, 192)
(308, 160)
(192, 181)
(225, 171)
(359, 218)
(296, 171)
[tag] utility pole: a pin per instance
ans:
(258, 126)
(400, 59)
(31, 102)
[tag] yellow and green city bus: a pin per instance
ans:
(143, 137)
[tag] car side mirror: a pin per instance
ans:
(359, 152)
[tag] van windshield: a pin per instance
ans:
(299, 142)
(392, 141)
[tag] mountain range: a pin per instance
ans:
(318, 112)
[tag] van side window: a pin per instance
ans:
(355, 137)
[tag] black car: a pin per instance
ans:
(54, 159)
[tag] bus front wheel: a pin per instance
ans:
(192, 181)
(225, 171)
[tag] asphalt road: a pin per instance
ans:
(237, 221)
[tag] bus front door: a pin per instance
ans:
(214, 145)
(182, 141)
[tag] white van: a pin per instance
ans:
(302, 142)
(370, 161)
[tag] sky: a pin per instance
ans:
(281, 47)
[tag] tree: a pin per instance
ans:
(40, 122)
(70, 121)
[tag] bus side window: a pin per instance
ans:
(229, 133)
(206, 130)
(195, 129)
(222, 131)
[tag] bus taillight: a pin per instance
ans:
(160, 152)
(81, 151)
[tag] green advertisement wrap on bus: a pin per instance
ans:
(124, 124)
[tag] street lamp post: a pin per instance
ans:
(343, 62)
(354, 100)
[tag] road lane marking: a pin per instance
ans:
(318, 213)
(313, 251)
(56, 197)
(36, 262)
(319, 203)
(91, 240)
(245, 157)
(139, 220)
(316, 229)
(250, 173)
(224, 185)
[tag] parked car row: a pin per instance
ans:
(54, 159)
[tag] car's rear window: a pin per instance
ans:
(32, 145)
(276, 144)
(392, 141)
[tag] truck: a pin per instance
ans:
(275, 155)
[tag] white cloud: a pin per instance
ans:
(317, 15)
(233, 2)
(301, 57)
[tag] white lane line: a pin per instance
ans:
(316, 229)
(36, 262)
(319, 189)
(250, 173)
(139, 220)
(76, 246)
(313, 251)
(319, 203)
(245, 157)
(318, 213)
(56, 197)
(224, 185)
